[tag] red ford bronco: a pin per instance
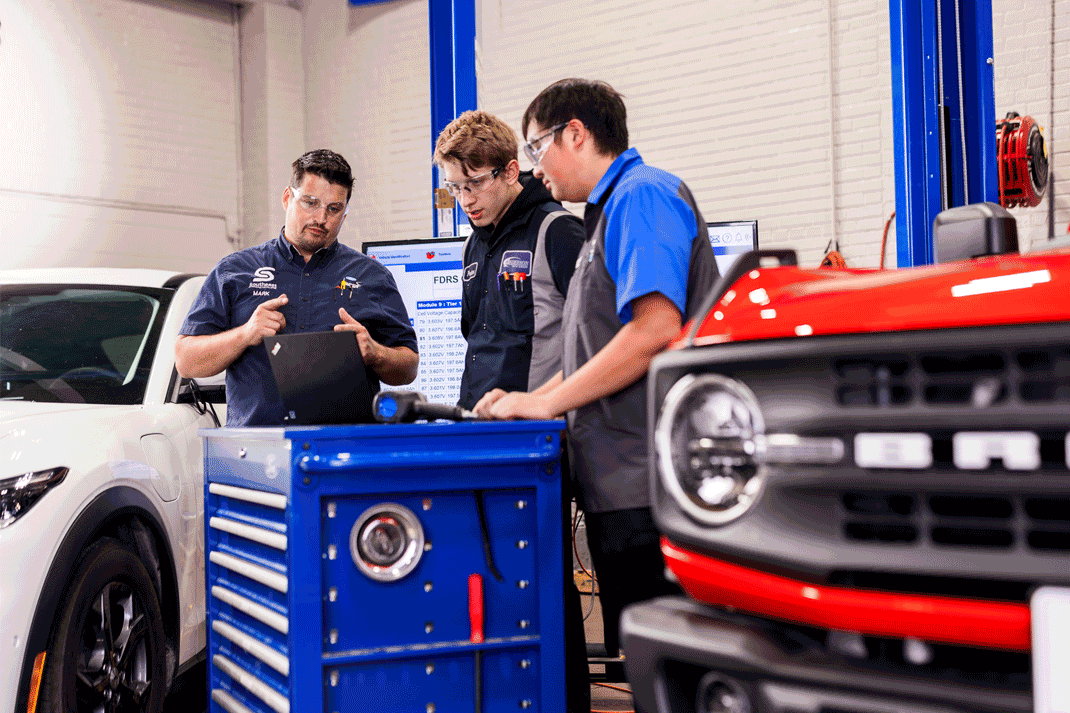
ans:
(863, 483)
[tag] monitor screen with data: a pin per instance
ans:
(428, 275)
(732, 239)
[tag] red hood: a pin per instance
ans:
(789, 302)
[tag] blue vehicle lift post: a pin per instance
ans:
(943, 113)
(453, 88)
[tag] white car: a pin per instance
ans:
(101, 490)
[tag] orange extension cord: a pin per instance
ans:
(615, 688)
(884, 238)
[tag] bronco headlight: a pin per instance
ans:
(710, 447)
(19, 493)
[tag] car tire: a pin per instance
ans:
(108, 651)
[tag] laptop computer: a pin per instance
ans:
(321, 378)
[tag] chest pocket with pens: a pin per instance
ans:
(514, 273)
(513, 281)
(345, 289)
(514, 303)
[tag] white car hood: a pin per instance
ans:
(43, 435)
(12, 411)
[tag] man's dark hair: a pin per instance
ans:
(326, 164)
(599, 106)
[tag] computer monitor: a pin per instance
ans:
(731, 239)
(428, 275)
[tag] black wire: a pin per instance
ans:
(201, 402)
(484, 530)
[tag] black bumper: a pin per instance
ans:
(672, 644)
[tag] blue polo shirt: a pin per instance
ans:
(645, 234)
(650, 226)
(336, 276)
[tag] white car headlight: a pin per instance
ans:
(710, 447)
(19, 493)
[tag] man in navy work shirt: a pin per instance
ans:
(644, 269)
(302, 281)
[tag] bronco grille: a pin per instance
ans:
(967, 377)
(958, 520)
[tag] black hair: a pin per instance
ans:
(326, 164)
(599, 106)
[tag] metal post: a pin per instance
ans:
(453, 88)
(980, 100)
(943, 100)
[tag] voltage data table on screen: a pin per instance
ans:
(428, 276)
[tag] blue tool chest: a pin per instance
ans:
(412, 567)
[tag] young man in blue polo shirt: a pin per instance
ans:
(303, 280)
(644, 269)
(517, 262)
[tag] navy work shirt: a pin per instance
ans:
(335, 276)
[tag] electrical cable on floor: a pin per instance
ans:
(575, 549)
(592, 595)
(594, 586)
(575, 528)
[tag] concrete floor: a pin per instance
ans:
(610, 697)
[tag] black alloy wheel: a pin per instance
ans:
(108, 652)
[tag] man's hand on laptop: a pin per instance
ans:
(266, 320)
(371, 350)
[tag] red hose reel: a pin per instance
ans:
(1022, 161)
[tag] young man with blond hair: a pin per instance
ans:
(517, 262)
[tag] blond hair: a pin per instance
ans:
(476, 139)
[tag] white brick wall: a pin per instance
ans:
(743, 100)
(119, 132)
(765, 119)
(369, 98)
(145, 132)
(273, 114)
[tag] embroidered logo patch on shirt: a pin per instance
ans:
(516, 261)
(470, 271)
(264, 274)
(263, 281)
